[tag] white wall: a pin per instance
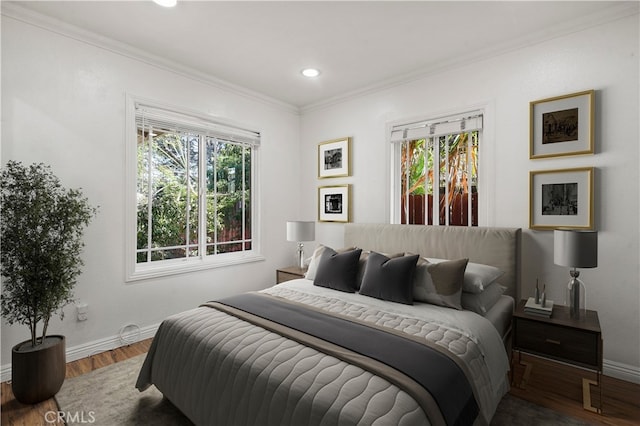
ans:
(604, 58)
(63, 103)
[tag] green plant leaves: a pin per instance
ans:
(41, 226)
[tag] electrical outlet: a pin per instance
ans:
(81, 309)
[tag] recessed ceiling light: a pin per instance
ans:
(310, 72)
(166, 3)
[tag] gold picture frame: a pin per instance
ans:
(334, 203)
(561, 198)
(562, 125)
(334, 158)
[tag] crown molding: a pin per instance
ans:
(19, 13)
(619, 11)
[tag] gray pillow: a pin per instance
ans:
(477, 276)
(363, 264)
(389, 278)
(440, 283)
(338, 271)
(315, 260)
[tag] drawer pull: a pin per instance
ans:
(553, 342)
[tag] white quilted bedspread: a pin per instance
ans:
(219, 370)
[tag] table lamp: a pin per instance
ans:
(576, 249)
(301, 231)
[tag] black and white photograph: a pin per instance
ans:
(562, 125)
(334, 203)
(561, 199)
(333, 158)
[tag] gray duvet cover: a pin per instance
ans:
(220, 370)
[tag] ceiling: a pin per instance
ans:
(358, 46)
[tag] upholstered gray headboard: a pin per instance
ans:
(499, 247)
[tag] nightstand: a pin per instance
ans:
(577, 342)
(289, 273)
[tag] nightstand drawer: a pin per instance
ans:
(561, 343)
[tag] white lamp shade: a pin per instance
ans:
(301, 231)
(576, 249)
(166, 3)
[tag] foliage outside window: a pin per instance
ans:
(194, 190)
(440, 169)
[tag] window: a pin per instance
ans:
(195, 197)
(436, 163)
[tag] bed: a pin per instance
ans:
(302, 352)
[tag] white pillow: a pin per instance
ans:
(480, 303)
(477, 276)
(313, 263)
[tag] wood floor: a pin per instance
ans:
(15, 413)
(559, 387)
(551, 385)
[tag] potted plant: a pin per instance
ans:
(41, 227)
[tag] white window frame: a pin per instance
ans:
(486, 166)
(140, 271)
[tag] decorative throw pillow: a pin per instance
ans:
(362, 265)
(338, 271)
(440, 283)
(315, 259)
(477, 276)
(389, 278)
(480, 303)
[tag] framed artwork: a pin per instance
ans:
(561, 199)
(334, 158)
(563, 125)
(334, 203)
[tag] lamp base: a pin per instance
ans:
(301, 255)
(576, 297)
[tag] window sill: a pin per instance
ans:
(183, 266)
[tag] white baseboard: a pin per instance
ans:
(621, 371)
(95, 347)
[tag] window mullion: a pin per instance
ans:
(425, 173)
(202, 197)
(469, 180)
(215, 196)
(447, 178)
(242, 226)
(149, 192)
(407, 166)
(187, 146)
(435, 182)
